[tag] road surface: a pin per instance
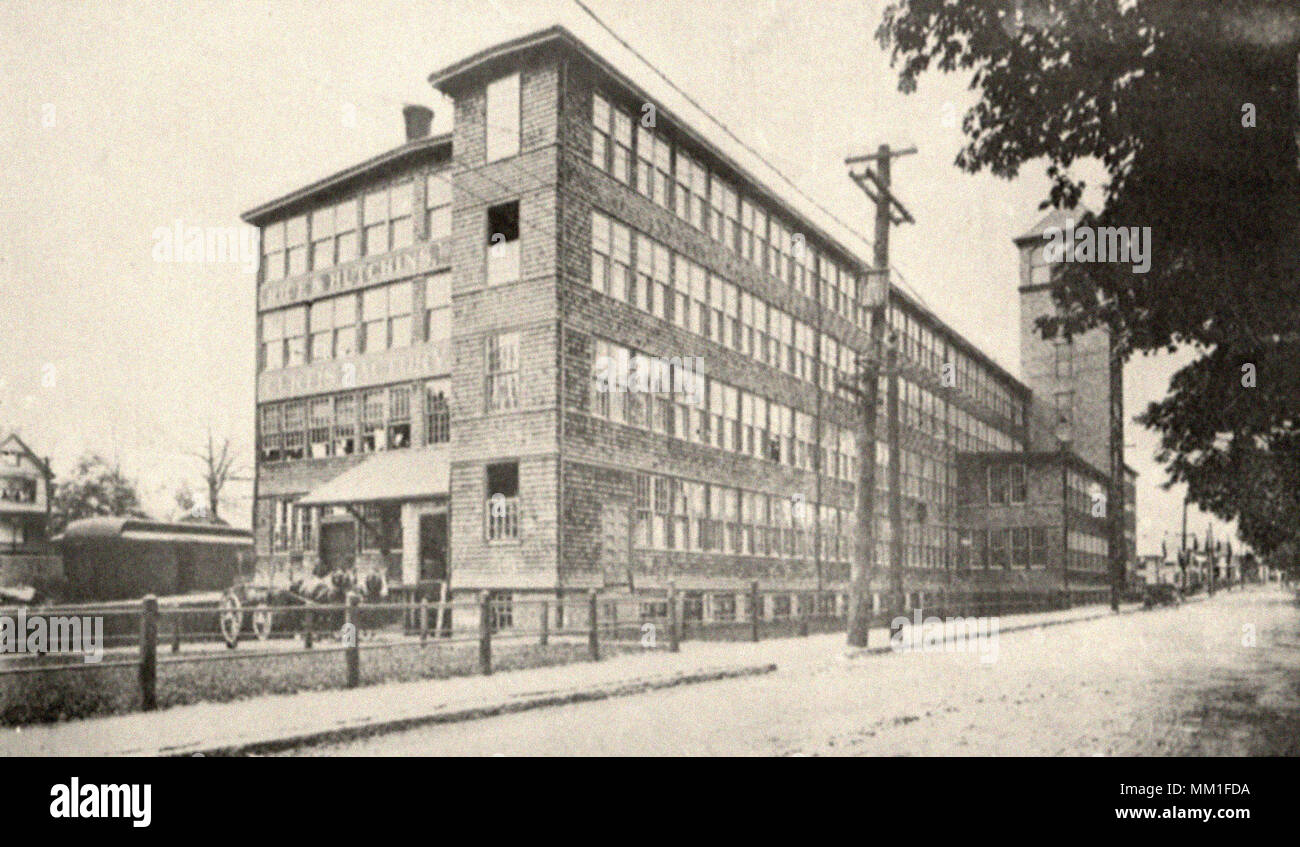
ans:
(1219, 677)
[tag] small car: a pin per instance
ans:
(1162, 594)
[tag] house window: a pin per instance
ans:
(502, 118)
(437, 206)
(17, 489)
(437, 411)
(502, 506)
(399, 417)
(503, 243)
(502, 371)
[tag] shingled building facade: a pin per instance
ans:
(578, 343)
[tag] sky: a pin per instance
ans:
(123, 120)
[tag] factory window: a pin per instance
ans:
(997, 485)
(503, 243)
(345, 231)
(401, 214)
(295, 237)
(345, 425)
(320, 440)
(437, 308)
(437, 411)
(374, 411)
(386, 312)
(399, 417)
(1064, 359)
(1018, 487)
(502, 118)
(502, 506)
(270, 432)
(294, 437)
(600, 131)
(1038, 546)
(334, 328)
(998, 541)
(375, 214)
(437, 206)
(322, 238)
(273, 252)
(502, 371)
(653, 161)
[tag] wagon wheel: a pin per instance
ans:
(262, 617)
(231, 618)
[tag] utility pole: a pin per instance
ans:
(1119, 542)
(889, 211)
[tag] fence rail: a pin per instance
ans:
(156, 635)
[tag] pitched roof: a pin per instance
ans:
(1054, 219)
(390, 475)
(40, 463)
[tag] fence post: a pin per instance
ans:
(176, 631)
(546, 622)
(424, 619)
(149, 653)
(484, 633)
(674, 630)
(593, 612)
(755, 610)
(352, 647)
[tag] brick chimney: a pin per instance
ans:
(418, 120)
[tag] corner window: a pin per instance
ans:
(502, 505)
(502, 118)
(503, 243)
(501, 388)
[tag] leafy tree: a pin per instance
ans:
(94, 488)
(1191, 107)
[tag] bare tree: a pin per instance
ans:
(218, 469)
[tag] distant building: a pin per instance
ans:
(26, 493)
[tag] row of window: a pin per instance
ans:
(376, 222)
(17, 489)
(926, 411)
(294, 527)
(365, 421)
(631, 267)
(672, 178)
(680, 514)
(1011, 547)
(930, 350)
(673, 400)
(370, 321)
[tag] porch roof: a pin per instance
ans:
(417, 474)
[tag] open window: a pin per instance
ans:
(502, 504)
(503, 243)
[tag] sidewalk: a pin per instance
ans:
(281, 721)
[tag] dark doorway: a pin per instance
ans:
(433, 547)
(338, 544)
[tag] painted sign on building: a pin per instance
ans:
(417, 259)
(425, 360)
